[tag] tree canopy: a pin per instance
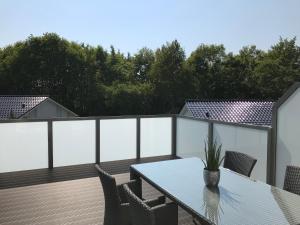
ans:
(94, 81)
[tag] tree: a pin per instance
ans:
(142, 63)
(93, 81)
(205, 63)
(49, 65)
(238, 74)
(279, 68)
(166, 75)
(119, 68)
(125, 99)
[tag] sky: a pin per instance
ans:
(129, 25)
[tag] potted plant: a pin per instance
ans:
(211, 172)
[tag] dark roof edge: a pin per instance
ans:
(229, 100)
(246, 125)
(49, 99)
(290, 91)
(24, 96)
(55, 102)
(32, 108)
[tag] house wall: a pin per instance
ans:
(185, 112)
(47, 109)
(288, 136)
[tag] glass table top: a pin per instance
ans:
(238, 200)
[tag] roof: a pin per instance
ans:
(247, 112)
(18, 105)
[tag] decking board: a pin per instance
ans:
(73, 202)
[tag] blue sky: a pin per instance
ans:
(130, 25)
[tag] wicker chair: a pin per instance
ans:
(196, 222)
(239, 162)
(292, 179)
(143, 213)
(116, 204)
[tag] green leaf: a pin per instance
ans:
(212, 155)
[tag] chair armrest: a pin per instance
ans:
(166, 214)
(131, 184)
(157, 201)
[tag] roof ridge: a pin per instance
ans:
(47, 96)
(252, 112)
(19, 105)
(228, 100)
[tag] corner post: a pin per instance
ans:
(271, 158)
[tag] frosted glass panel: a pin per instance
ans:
(191, 135)
(117, 139)
(156, 136)
(23, 146)
(250, 141)
(74, 142)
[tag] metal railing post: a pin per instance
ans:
(50, 144)
(174, 135)
(210, 133)
(138, 137)
(97, 121)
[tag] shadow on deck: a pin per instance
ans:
(43, 176)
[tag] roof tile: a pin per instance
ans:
(18, 105)
(247, 112)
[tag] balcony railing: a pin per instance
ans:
(55, 143)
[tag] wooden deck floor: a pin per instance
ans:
(75, 202)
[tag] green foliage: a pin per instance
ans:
(205, 64)
(279, 68)
(119, 68)
(94, 81)
(50, 65)
(213, 158)
(142, 63)
(166, 75)
(126, 99)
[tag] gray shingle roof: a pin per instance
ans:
(247, 112)
(18, 105)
